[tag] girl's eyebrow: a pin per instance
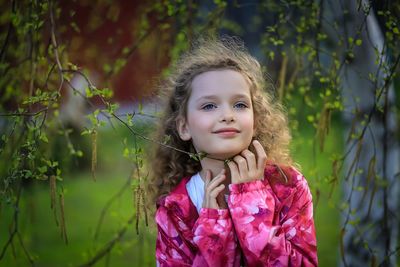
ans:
(207, 97)
(214, 97)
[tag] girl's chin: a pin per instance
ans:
(224, 155)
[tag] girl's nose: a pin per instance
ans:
(227, 115)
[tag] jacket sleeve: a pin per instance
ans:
(210, 243)
(269, 237)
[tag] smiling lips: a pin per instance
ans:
(227, 132)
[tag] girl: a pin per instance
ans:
(233, 198)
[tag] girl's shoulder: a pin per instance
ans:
(177, 194)
(178, 201)
(285, 180)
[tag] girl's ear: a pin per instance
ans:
(183, 129)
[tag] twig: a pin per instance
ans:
(21, 242)
(108, 205)
(55, 45)
(28, 114)
(384, 262)
(15, 225)
(373, 110)
(5, 44)
(110, 244)
(113, 115)
(57, 58)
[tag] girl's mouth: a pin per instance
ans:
(227, 132)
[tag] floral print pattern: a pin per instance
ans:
(268, 223)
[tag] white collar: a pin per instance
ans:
(195, 188)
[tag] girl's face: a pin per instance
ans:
(220, 117)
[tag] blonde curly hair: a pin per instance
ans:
(169, 166)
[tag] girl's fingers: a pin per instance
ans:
(210, 185)
(215, 192)
(213, 188)
(250, 159)
(242, 166)
(221, 201)
(218, 197)
(217, 180)
(206, 200)
(234, 171)
(261, 155)
(207, 178)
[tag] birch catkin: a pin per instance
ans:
(145, 209)
(53, 189)
(137, 198)
(63, 227)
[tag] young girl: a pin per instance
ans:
(239, 202)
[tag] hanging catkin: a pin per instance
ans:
(63, 227)
(52, 191)
(53, 188)
(137, 196)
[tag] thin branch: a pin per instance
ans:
(57, 58)
(112, 115)
(15, 225)
(21, 242)
(147, 138)
(110, 244)
(27, 114)
(384, 261)
(55, 45)
(141, 39)
(7, 39)
(319, 26)
(108, 205)
(138, 114)
(388, 80)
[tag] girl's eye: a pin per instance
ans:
(241, 105)
(208, 106)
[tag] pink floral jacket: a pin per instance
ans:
(268, 223)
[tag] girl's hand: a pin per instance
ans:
(213, 191)
(245, 167)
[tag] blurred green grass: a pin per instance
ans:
(85, 199)
(317, 168)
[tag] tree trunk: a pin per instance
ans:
(371, 186)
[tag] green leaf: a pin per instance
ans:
(43, 137)
(75, 27)
(126, 152)
(271, 55)
(111, 107)
(129, 117)
(42, 169)
(350, 40)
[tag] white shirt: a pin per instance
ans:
(195, 188)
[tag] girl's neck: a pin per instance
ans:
(215, 166)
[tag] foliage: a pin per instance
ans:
(37, 72)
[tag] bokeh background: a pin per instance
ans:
(78, 96)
